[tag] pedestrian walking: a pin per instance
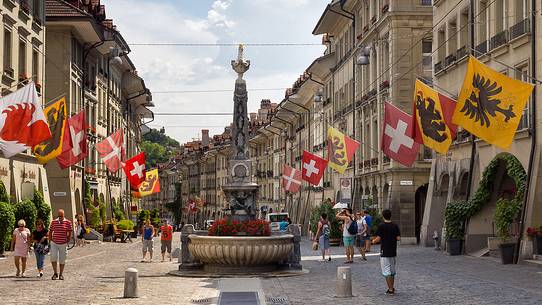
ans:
(369, 221)
(20, 243)
(166, 239)
(388, 234)
(60, 232)
(361, 237)
(147, 237)
(349, 233)
(322, 236)
(81, 231)
(41, 245)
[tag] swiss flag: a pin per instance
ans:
(74, 145)
(135, 170)
(396, 141)
(312, 168)
(291, 179)
(111, 150)
(22, 122)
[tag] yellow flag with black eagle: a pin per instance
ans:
(56, 115)
(490, 104)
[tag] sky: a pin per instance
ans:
(181, 68)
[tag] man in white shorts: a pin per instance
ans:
(60, 232)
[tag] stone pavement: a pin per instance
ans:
(95, 274)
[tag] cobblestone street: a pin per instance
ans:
(94, 275)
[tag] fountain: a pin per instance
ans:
(241, 254)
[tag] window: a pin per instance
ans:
(521, 73)
(483, 24)
(22, 59)
(500, 16)
(7, 50)
(427, 60)
(35, 66)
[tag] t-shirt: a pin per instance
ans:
(361, 227)
(388, 232)
(369, 220)
(60, 230)
(38, 235)
(167, 232)
(147, 233)
(345, 227)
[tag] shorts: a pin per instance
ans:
(388, 266)
(323, 243)
(148, 245)
(166, 246)
(348, 241)
(360, 241)
(58, 252)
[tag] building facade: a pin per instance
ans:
(23, 60)
(91, 68)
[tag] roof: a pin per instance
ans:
(61, 8)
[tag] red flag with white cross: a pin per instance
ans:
(74, 147)
(134, 168)
(396, 141)
(291, 179)
(111, 150)
(312, 168)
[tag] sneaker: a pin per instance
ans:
(364, 258)
(18, 273)
(40, 275)
(390, 292)
(22, 274)
(329, 259)
(55, 276)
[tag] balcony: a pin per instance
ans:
(481, 49)
(426, 2)
(521, 28)
(374, 161)
(462, 52)
(498, 40)
(450, 59)
(386, 160)
(438, 67)
(367, 163)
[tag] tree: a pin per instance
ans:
(154, 153)
(155, 217)
(26, 210)
(7, 219)
(4, 197)
(176, 205)
(42, 208)
(161, 138)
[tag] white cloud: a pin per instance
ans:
(175, 68)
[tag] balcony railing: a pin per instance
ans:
(374, 161)
(450, 59)
(498, 40)
(481, 49)
(438, 67)
(520, 28)
(426, 2)
(462, 52)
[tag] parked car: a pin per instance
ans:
(275, 219)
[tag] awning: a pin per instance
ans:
(328, 19)
(322, 66)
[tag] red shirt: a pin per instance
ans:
(167, 232)
(60, 231)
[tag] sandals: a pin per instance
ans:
(390, 292)
(61, 277)
(55, 276)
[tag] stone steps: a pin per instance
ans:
(536, 261)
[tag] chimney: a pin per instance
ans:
(205, 138)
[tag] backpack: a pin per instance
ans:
(353, 227)
(369, 220)
(325, 230)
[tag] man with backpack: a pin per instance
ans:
(369, 221)
(322, 235)
(350, 230)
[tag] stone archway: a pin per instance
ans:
(461, 188)
(419, 208)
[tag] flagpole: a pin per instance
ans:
(473, 138)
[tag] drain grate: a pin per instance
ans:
(238, 298)
(201, 301)
(277, 301)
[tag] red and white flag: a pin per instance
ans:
(291, 179)
(312, 168)
(135, 169)
(22, 123)
(396, 141)
(111, 150)
(74, 146)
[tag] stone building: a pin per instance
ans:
(23, 59)
(503, 40)
(88, 63)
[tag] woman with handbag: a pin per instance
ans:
(41, 245)
(81, 231)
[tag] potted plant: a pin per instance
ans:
(537, 239)
(454, 218)
(505, 213)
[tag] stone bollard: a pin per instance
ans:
(130, 283)
(344, 282)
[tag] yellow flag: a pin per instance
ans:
(56, 119)
(341, 149)
(490, 104)
(151, 184)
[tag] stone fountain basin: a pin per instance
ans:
(240, 253)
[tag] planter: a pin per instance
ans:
(240, 254)
(454, 246)
(507, 252)
(537, 249)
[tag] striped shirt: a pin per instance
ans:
(60, 231)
